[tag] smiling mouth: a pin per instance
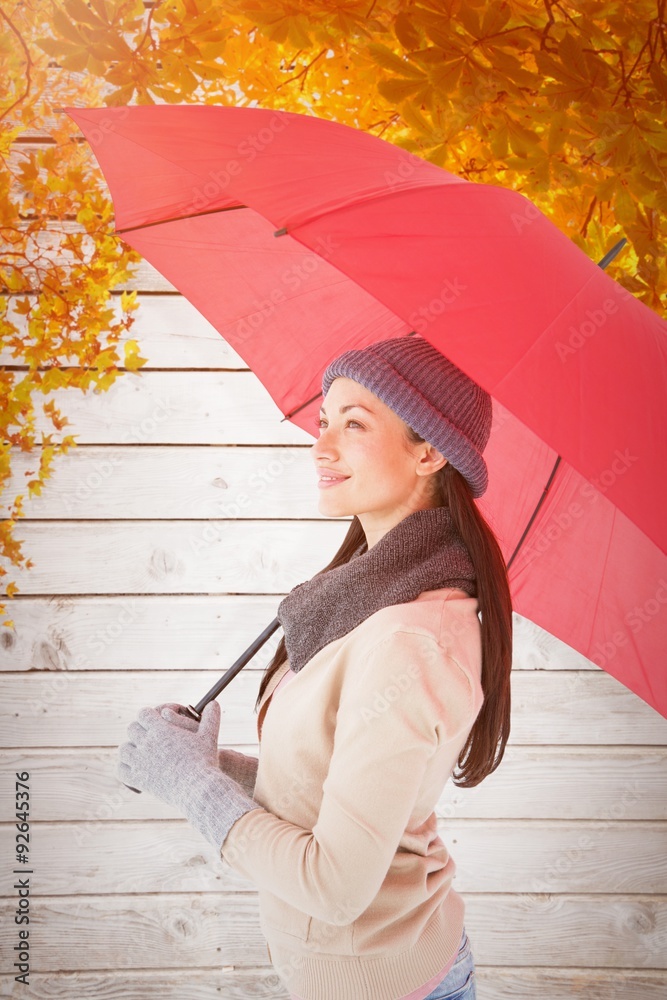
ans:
(324, 482)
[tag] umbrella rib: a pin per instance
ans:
(539, 504)
(179, 218)
(607, 259)
(288, 416)
(369, 197)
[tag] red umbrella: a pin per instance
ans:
(299, 238)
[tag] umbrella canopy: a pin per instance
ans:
(299, 238)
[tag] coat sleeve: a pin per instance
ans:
(408, 697)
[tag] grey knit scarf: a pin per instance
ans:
(422, 552)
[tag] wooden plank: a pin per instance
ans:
(73, 708)
(166, 931)
(557, 856)
(581, 707)
(170, 331)
(93, 709)
(228, 983)
(493, 983)
(177, 407)
(497, 983)
(163, 482)
(591, 931)
(566, 783)
(174, 557)
(139, 632)
(605, 783)
(166, 856)
(176, 930)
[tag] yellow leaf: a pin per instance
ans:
(619, 151)
(298, 32)
(659, 79)
(66, 27)
(133, 359)
(277, 31)
(101, 8)
(397, 90)
(625, 209)
(406, 32)
(513, 69)
(446, 76)
(170, 96)
(128, 301)
(414, 118)
(11, 590)
(496, 17)
(106, 381)
(569, 51)
(656, 139)
(123, 95)
(389, 60)
(521, 139)
(499, 142)
(557, 132)
(469, 20)
(77, 60)
(106, 359)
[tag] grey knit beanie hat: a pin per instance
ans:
(430, 394)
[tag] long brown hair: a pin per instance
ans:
(485, 746)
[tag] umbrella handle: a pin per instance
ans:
(229, 675)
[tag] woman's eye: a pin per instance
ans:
(320, 423)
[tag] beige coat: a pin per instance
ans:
(354, 883)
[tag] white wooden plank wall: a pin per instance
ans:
(162, 545)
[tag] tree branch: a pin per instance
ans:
(589, 214)
(302, 72)
(28, 65)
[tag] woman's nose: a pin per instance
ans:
(324, 447)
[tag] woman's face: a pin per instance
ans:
(386, 476)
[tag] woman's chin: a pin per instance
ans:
(332, 508)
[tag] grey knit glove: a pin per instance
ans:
(180, 766)
(239, 766)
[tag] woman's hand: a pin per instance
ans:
(239, 766)
(176, 758)
(166, 750)
(178, 715)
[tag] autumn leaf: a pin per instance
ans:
(406, 32)
(133, 359)
(128, 301)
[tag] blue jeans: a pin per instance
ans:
(459, 983)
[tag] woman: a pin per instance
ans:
(392, 680)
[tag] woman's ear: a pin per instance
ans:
(430, 461)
